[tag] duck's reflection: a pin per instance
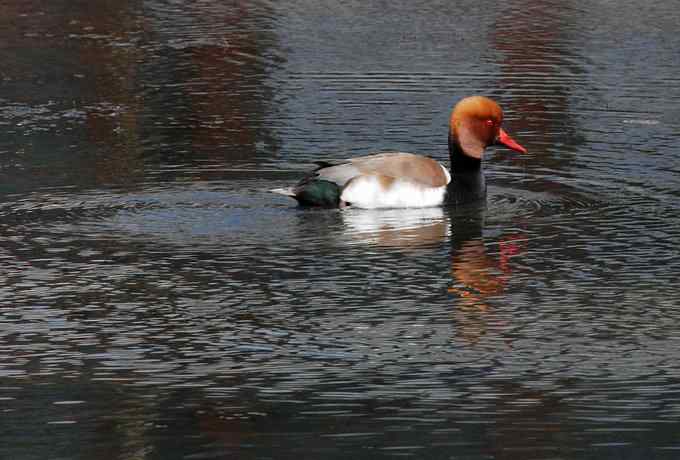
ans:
(480, 268)
(402, 228)
(480, 272)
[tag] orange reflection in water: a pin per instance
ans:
(478, 277)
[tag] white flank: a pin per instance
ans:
(369, 193)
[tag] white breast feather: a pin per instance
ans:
(446, 171)
(368, 192)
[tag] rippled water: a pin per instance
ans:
(157, 302)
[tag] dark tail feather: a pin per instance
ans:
(318, 193)
(323, 164)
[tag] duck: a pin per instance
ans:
(407, 180)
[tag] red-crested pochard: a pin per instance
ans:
(405, 180)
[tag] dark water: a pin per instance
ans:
(157, 303)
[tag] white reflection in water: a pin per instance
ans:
(397, 227)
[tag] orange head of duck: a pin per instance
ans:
(475, 124)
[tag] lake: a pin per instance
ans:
(157, 302)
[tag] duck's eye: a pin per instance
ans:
(489, 123)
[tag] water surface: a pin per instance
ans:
(158, 302)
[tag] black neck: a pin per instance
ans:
(467, 179)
